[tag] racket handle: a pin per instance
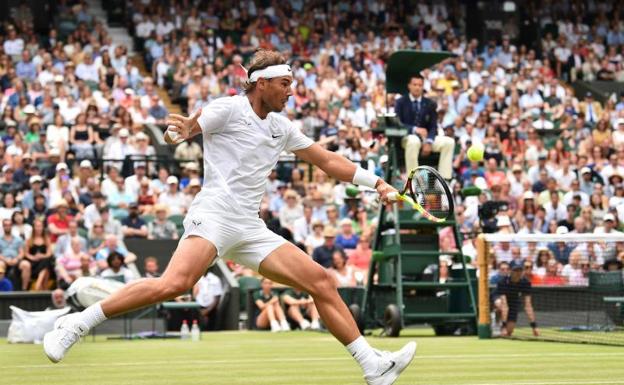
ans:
(393, 196)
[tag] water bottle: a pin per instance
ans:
(195, 333)
(185, 333)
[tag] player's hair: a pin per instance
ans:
(262, 59)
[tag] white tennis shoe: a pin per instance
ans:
(391, 365)
(67, 331)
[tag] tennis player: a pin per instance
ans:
(243, 137)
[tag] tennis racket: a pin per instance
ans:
(428, 193)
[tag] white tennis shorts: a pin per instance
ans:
(244, 240)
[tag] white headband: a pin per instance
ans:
(271, 72)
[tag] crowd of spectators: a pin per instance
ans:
(73, 98)
(544, 146)
(70, 99)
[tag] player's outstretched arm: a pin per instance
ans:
(181, 128)
(343, 169)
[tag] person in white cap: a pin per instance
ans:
(85, 172)
(174, 199)
(243, 136)
(36, 184)
(586, 181)
(133, 182)
(61, 182)
(142, 146)
(121, 149)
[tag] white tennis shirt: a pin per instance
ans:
(240, 150)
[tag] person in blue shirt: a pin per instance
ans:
(12, 253)
(347, 239)
(111, 244)
(25, 69)
(5, 283)
(133, 225)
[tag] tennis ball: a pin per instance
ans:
(475, 153)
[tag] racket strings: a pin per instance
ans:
(429, 192)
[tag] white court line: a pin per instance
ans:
(317, 359)
(574, 382)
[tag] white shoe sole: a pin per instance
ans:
(405, 355)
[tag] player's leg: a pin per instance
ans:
(289, 265)
(445, 145)
(511, 325)
(190, 260)
(411, 144)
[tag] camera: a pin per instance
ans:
(488, 212)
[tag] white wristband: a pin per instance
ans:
(363, 177)
(174, 136)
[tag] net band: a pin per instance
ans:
(570, 237)
(270, 72)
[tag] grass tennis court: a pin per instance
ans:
(261, 358)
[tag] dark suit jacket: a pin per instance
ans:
(426, 118)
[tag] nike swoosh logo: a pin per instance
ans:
(392, 365)
(276, 136)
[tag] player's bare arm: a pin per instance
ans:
(340, 168)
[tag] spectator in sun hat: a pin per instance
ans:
(323, 254)
(192, 172)
(161, 227)
(58, 223)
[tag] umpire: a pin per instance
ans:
(420, 115)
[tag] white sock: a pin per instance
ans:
(285, 326)
(363, 354)
(275, 326)
(92, 316)
(315, 325)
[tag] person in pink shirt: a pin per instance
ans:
(360, 256)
